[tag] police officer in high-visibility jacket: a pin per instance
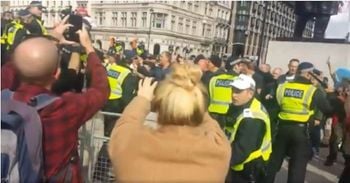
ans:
(298, 100)
(123, 85)
(16, 31)
(250, 134)
(218, 88)
(37, 26)
(220, 94)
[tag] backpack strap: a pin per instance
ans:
(11, 122)
(42, 100)
(6, 94)
(38, 102)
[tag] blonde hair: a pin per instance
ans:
(181, 98)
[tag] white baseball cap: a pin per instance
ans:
(243, 82)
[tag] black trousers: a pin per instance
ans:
(315, 136)
(334, 141)
(292, 140)
(253, 172)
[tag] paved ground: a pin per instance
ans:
(316, 171)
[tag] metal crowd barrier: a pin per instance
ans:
(95, 162)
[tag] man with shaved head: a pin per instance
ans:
(36, 66)
(36, 63)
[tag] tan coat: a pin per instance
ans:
(169, 153)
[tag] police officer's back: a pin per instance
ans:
(298, 100)
(249, 133)
(123, 85)
(219, 90)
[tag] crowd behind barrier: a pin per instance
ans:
(88, 84)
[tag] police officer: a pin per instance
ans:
(249, 134)
(37, 26)
(16, 30)
(220, 94)
(119, 47)
(298, 100)
(138, 49)
(123, 85)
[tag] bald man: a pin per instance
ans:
(36, 62)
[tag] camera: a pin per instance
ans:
(76, 21)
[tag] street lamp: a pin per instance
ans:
(150, 27)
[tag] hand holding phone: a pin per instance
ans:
(77, 22)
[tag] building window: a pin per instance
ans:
(144, 19)
(159, 20)
(203, 30)
(206, 8)
(100, 18)
(196, 7)
(244, 3)
(187, 29)
(189, 6)
(115, 18)
(172, 23)
(124, 20)
(194, 27)
(208, 33)
(133, 19)
(183, 4)
(180, 27)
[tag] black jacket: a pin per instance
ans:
(34, 27)
(249, 135)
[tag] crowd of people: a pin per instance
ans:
(217, 120)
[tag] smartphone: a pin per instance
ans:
(77, 22)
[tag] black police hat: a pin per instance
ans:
(23, 13)
(305, 67)
(37, 4)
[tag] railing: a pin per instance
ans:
(94, 157)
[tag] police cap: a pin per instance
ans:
(129, 55)
(216, 60)
(23, 13)
(305, 67)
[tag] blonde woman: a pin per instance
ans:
(187, 146)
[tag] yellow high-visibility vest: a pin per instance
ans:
(43, 29)
(220, 93)
(9, 35)
(139, 51)
(295, 101)
(116, 76)
(257, 111)
(118, 49)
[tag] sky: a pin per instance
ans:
(339, 25)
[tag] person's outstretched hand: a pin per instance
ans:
(59, 29)
(146, 88)
(85, 40)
